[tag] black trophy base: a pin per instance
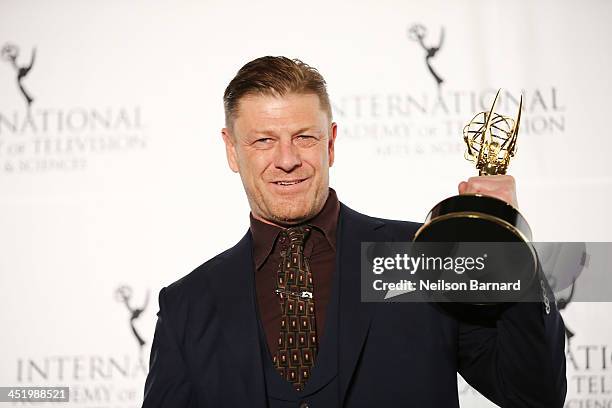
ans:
(478, 218)
(474, 218)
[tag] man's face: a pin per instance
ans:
(282, 146)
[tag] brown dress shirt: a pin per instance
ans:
(319, 248)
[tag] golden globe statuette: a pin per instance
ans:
(490, 142)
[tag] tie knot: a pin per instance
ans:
(298, 235)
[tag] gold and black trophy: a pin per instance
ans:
(490, 142)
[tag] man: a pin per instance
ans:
(276, 321)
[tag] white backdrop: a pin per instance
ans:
(117, 177)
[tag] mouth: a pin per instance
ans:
(290, 186)
(288, 182)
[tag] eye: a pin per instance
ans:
(306, 140)
(263, 141)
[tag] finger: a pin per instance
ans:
(491, 181)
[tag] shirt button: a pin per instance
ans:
(304, 404)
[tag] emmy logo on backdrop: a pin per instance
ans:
(417, 32)
(123, 294)
(10, 53)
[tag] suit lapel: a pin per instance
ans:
(234, 287)
(235, 292)
(355, 316)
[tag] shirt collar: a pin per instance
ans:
(264, 235)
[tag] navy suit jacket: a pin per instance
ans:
(206, 352)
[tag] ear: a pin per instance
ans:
(330, 143)
(230, 150)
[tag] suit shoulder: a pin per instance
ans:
(400, 225)
(401, 230)
(398, 230)
(193, 282)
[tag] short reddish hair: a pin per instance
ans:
(276, 76)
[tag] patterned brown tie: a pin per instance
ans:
(297, 341)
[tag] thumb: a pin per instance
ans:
(462, 187)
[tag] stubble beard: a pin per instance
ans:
(287, 214)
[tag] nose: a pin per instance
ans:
(287, 156)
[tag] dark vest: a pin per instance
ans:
(322, 390)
